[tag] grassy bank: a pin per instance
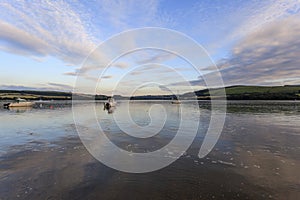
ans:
(254, 93)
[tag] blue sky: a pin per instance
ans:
(43, 43)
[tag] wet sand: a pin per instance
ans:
(68, 171)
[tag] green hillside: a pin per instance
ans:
(45, 95)
(252, 93)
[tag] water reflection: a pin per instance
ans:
(52, 117)
(19, 109)
(109, 109)
(257, 106)
(258, 152)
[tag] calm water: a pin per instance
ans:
(256, 157)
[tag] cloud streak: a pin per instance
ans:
(18, 41)
(46, 87)
(120, 13)
(264, 14)
(47, 28)
(269, 56)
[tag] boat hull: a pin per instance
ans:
(21, 104)
(109, 105)
(176, 102)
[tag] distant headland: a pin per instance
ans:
(237, 92)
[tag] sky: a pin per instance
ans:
(50, 45)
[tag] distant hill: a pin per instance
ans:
(240, 92)
(153, 97)
(45, 95)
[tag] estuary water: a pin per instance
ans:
(256, 157)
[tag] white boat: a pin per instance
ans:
(110, 103)
(20, 109)
(176, 102)
(20, 103)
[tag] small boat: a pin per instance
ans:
(41, 103)
(110, 103)
(110, 110)
(19, 103)
(176, 102)
(20, 109)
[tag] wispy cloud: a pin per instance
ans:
(83, 71)
(133, 59)
(17, 87)
(18, 41)
(266, 57)
(263, 13)
(44, 28)
(121, 13)
(237, 19)
(70, 30)
(60, 86)
(121, 65)
(157, 57)
(45, 87)
(106, 77)
(70, 73)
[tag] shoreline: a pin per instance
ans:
(234, 92)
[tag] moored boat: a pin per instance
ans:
(19, 103)
(110, 103)
(176, 102)
(175, 99)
